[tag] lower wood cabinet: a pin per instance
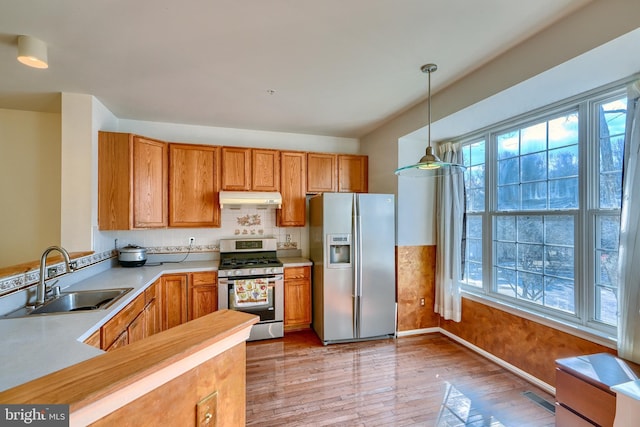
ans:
(125, 327)
(153, 308)
(174, 300)
(203, 293)
(297, 298)
(170, 301)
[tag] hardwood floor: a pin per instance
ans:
(425, 380)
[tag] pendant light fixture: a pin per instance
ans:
(430, 164)
(32, 52)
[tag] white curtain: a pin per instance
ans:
(629, 251)
(450, 209)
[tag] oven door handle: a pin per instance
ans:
(270, 279)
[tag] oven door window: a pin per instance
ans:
(247, 296)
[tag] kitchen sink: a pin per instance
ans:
(73, 302)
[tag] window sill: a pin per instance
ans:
(584, 332)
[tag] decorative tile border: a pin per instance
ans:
(24, 280)
(287, 245)
(182, 249)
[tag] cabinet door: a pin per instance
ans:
(150, 203)
(293, 190)
(114, 181)
(236, 168)
(265, 170)
(174, 300)
(297, 298)
(119, 323)
(194, 182)
(137, 329)
(203, 294)
(204, 300)
(353, 174)
(120, 341)
(322, 173)
(153, 313)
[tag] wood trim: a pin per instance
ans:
(25, 267)
(100, 385)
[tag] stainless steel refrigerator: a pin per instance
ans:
(352, 246)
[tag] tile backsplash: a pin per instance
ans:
(235, 223)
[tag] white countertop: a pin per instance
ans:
(38, 345)
(295, 261)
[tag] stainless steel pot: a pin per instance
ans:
(132, 256)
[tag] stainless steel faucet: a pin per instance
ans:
(41, 290)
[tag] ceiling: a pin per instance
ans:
(324, 67)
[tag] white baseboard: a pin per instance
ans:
(509, 367)
(418, 332)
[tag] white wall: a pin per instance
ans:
(76, 187)
(29, 184)
(591, 47)
(174, 132)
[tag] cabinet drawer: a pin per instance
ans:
(591, 402)
(566, 418)
(297, 273)
(204, 278)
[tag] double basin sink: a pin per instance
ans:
(73, 302)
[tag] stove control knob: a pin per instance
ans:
(237, 272)
(268, 270)
(254, 271)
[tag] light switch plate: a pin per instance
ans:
(206, 410)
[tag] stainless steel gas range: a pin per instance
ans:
(250, 279)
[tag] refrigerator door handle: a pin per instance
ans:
(357, 266)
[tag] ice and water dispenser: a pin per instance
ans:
(339, 250)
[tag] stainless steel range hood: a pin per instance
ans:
(258, 199)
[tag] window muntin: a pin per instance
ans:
(612, 115)
(531, 221)
(474, 160)
(538, 166)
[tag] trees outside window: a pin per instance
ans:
(550, 197)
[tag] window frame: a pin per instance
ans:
(586, 215)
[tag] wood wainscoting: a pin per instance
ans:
(416, 280)
(525, 344)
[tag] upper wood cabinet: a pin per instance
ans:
(265, 170)
(293, 189)
(353, 174)
(322, 173)
(194, 183)
(250, 169)
(236, 168)
(132, 182)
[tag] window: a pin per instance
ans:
(543, 219)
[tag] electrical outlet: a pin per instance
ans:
(422, 302)
(192, 240)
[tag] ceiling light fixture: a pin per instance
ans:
(32, 52)
(430, 164)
